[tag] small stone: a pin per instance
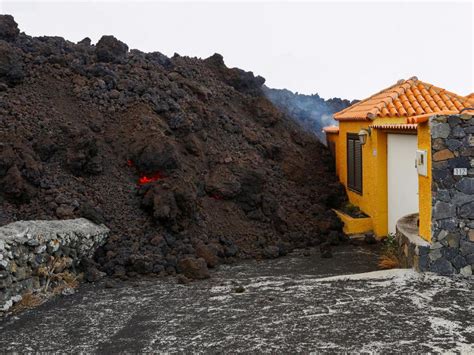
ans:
(440, 130)
(438, 144)
(470, 259)
(114, 94)
(471, 235)
(443, 195)
(40, 249)
(182, 280)
(449, 253)
(453, 240)
(459, 262)
(157, 240)
(444, 154)
(193, 268)
(271, 252)
(65, 211)
(239, 289)
(442, 266)
(109, 284)
(444, 210)
(466, 270)
(443, 234)
(423, 262)
(466, 247)
(466, 185)
(453, 144)
(460, 198)
(32, 242)
(207, 253)
(3, 264)
(92, 274)
(435, 254)
(6, 306)
(68, 291)
(467, 211)
(458, 132)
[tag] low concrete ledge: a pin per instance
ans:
(28, 248)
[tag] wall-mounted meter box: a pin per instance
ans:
(422, 162)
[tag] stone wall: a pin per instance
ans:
(452, 228)
(30, 250)
(412, 249)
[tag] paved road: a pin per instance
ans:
(289, 304)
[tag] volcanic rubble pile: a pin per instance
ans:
(184, 159)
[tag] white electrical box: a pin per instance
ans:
(422, 162)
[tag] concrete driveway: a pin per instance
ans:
(291, 304)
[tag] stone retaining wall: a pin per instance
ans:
(413, 250)
(28, 250)
(452, 228)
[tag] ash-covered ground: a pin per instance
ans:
(286, 305)
(184, 159)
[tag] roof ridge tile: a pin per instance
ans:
(406, 98)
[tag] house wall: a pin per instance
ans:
(424, 184)
(373, 200)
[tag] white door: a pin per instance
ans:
(402, 177)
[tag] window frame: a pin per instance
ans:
(352, 186)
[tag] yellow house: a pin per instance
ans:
(382, 150)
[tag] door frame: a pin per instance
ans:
(397, 132)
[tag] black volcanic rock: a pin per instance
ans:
(110, 49)
(8, 28)
(11, 64)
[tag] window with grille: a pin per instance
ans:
(354, 163)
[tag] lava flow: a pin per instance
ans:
(144, 179)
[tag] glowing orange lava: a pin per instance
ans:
(147, 179)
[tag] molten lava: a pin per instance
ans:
(144, 179)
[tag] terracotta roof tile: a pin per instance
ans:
(407, 98)
(331, 129)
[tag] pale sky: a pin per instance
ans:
(337, 49)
